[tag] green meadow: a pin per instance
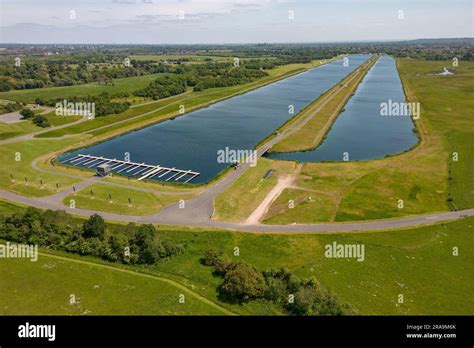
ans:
(95, 290)
(17, 129)
(16, 159)
(418, 263)
(120, 200)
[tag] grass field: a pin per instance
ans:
(128, 84)
(26, 152)
(105, 121)
(17, 129)
(142, 203)
(27, 126)
(313, 206)
(372, 189)
(417, 263)
(97, 291)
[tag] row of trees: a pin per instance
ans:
(59, 231)
(242, 282)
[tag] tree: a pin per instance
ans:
(243, 282)
(27, 113)
(94, 227)
(144, 240)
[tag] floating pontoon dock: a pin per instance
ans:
(140, 170)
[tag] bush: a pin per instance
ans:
(26, 113)
(41, 121)
(311, 299)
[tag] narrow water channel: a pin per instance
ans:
(363, 131)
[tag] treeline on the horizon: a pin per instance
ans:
(67, 65)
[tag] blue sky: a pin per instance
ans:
(231, 21)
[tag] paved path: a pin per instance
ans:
(259, 213)
(198, 211)
(31, 136)
(191, 216)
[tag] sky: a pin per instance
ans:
(231, 21)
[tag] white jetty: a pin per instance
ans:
(140, 170)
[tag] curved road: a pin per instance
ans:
(198, 211)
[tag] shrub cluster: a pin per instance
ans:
(242, 282)
(57, 230)
(10, 107)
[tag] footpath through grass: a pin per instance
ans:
(46, 287)
(419, 263)
(17, 129)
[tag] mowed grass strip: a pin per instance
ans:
(141, 202)
(45, 287)
(104, 121)
(17, 129)
(61, 120)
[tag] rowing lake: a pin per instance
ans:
(191, 142)
(360, 130)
